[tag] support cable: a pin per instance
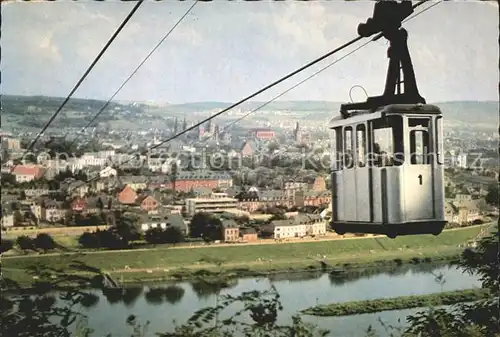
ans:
(375, 38)
(378, 36)
(135, 71)
(127, 19)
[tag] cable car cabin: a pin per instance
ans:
(388, 171)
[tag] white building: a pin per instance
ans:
(8, 221)
(108, 172)
(301, 226)
(461, 160)
(216, 203)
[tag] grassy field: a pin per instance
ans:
(398, 303)
(161, 263)
(13, 233)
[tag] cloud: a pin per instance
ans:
(224, 50)
(310, 29)
(48, 48)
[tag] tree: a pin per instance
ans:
(159, 235)
(278, 216)
(18, 218)
(262, 308)
(25, 242)
(467, 320)
(126, 230)
(6, 245)
(100, 204)
(199, 224)
(63, 175)
(154, 236)
(41, 314)
(22, 195)
(8, 179)
(89, 240)
(492, 196)
(44, 241)
(173, 235)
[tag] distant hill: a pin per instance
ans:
(465, 111)
(484, 112)
(277, 105)
(471, 111)
(10, 102)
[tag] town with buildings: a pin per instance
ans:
(258, 182)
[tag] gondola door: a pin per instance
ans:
(362, 171)
(349, 175)
(419, 173)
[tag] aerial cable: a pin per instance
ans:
(323, 69)
(249, 97)
(136, 69)
(273, 84)
(127, 19)
(293, 73)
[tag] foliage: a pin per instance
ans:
(283, 255)
(6, 245)
(261, 307)
(102, 239)
(492, 197)
(40, 316)
(25, 242)
(22, 195)
(36, 313)
(398, 303)
(63, 175)
(468, 320)
(118, 236)
(125, 228)
(168, 235)
(100, 203)
(89, 240)
(8, 179)
(45, 241)
(206, 226)
(278, 216)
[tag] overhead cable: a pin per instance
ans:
(293, 73)
(125, 21)
(323, 69)
(272, 85)
(135, 70)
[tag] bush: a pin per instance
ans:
(25, 243)
(6, 245)
(88, 240)
(44, 241)
(158, 235)
(398, 262)
(102, 239)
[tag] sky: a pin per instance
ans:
(225, 51)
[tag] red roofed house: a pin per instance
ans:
(319, 184)
(79, 205)
(262, 134)
(24, 173)
(127, 196)
(149, 203)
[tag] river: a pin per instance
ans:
(298, 291)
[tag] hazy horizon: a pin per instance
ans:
(229, 102)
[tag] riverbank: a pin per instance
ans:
(398, 303)
(135, 266)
